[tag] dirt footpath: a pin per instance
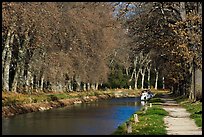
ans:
(178, 121)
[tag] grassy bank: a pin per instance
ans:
(194, 108)
(18, 103)
(9, 98)
(150, 121)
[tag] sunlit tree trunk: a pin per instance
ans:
(126, 70)
(136, 73)
(136, 78)
(156, 79)
(78, 83)
(96, 86)
(84, 87)
(29, 82)
(93, 86)
(192, 90)
(7, 61)
(21, 61)
(59, 87)
(88, 86)
(70, 85)
(41, 82)
(143, 77)
(15, 81)
(148, 78)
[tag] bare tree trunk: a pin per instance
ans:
(126, 70)
(183, 11)
(41, 82)
(143, 76)
(21, 61)
(7, 64)
(70, 86)
(59, 87)
(21, 80)
(53, 86)
(88, 86)
(192, 91)
(134, 71)
(29, 83)
(78, 87)
(156, 80)
(4, 52)
(136, 78)
(93, 87)
(199, 4)
(84, 86)
(148, 78)
(15, 80)
(96, 86)
(163, 83)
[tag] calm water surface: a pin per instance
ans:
(95, 118)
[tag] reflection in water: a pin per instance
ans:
(102, 117)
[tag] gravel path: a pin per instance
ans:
(178, 121)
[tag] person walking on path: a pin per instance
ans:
(178, 122)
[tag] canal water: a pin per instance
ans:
(95, 118)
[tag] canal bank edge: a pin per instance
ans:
(8, 111)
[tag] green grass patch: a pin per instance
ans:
(150, 123)
(156, 100)
(195, 109)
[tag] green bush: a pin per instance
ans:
(156, 100)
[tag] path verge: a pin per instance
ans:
(178, 122)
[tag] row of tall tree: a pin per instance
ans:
(57, 46)
(78, 46)
(171, 34)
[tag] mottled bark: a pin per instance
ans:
(29, 82)
(60, 87)
(78, 83)
(192, 95)
(70, 85)
(21, 60)
(7, 62)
